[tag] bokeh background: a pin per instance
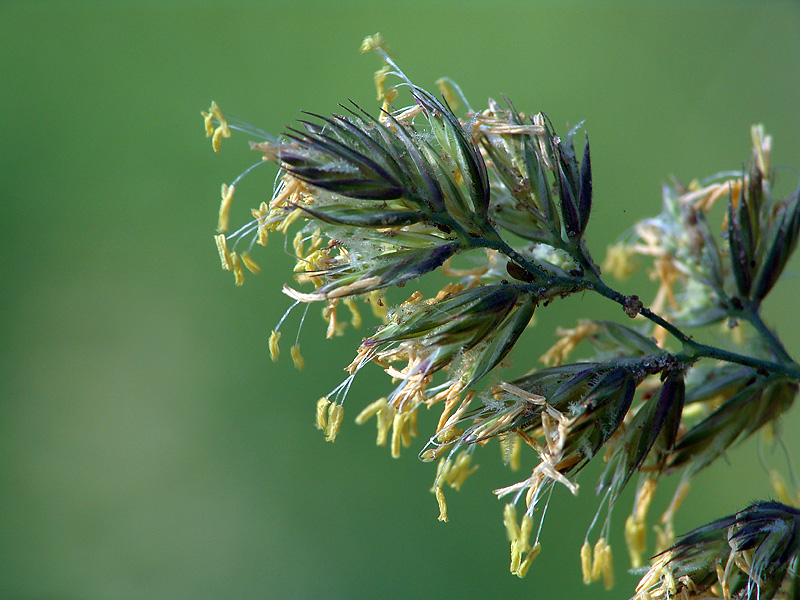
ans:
(148, 447)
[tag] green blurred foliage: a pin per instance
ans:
(149, 447)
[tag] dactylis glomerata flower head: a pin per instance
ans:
(499, 205)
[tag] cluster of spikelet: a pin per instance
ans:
(380, 201)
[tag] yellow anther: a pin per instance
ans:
(263, 235)
(220, 131)
(723, 582)
(238, 272)
(779, 487)
(288, 220)
(397, 427)
(602, 564)
(297, 358)
(516, 557)
(297, 243)
(522, 570)
(371, 42)
(460, 471)
(644, 495)
(355, 315)
(677, 499)
(329, 313)
(208, 120)
(373, 408)
(260, 214)
(665, 537)
(251, 265)
(514, 452)
(405, 430)
(225, 207)
(559, 352)
(386, 105)
(316, 241)
(274, 350)
(224, 254)
(322, 413)
(428, 455)
(635, 538)
(619, 261)
(380, 80)
(442, 469)
(446, 89)
(448, 435)
(379, 308)
(586, 563)
(510, 521)
(335, 416)
(385, 421)
(442, 504)
(525, 533)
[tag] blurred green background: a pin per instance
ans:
(149, 447)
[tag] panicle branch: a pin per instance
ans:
(499, 204)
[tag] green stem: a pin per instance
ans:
(694, 349)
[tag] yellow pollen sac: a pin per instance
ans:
(516, 557)
(446, 89)
(379, 308)
(335, 416)
(405, 431)
(251, 265)
(525, 533)
(297, 358)
(385, 421)
(224, 255)
(522, 570)
(220, 131)
(371, 42)
(329, 314)
(389, 96)
(225, 207)
(208, 121)
(260, 214)
(263, 235)
(781, 489)
(603, 566)
(380, 80)
(274, 350)
(510, 521)
(723, 582)
(322, 413)
(619, 261)
(442, 469)
(289, 219)
(297, 243)
(397, 433)
(586, 562)
(442, 504)
(238, 272)
(513, 446)
(448, 435)
(412, 424)
(355, 315)
(372, 409)
(459, 472)
(428, 455)
(635, 538)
